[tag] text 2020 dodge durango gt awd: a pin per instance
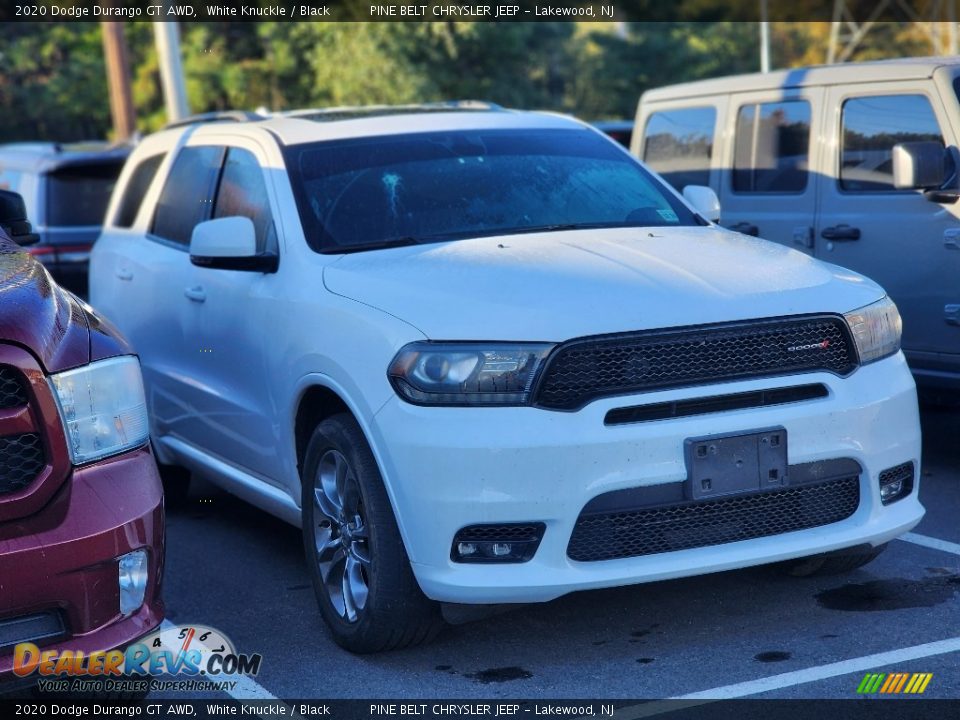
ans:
(487, 357)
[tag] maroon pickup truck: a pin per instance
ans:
(81, 505)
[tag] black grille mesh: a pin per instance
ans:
(501, 533)
(900, 472)
(12, 392)
(583, 370)
(21, 460)
(699, 524)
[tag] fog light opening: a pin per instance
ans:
(133, 573)
(896, 483)
(507, 543)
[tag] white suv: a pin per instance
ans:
(485, 356)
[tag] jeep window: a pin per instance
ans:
(242, 192)
(78, 195)
(771, 149)
(137, 186)
(428, 187)
(185, 199)
(871, 127)
(678, 144)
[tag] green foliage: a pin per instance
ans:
(53, 80)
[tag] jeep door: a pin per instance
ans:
(767, 188)
(898, 238)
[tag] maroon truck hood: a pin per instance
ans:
(37, 315)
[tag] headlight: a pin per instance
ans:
(103, 408)
(467, 373)
(876, 329)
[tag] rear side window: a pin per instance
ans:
(243, 193)
(678, 144)
(871, 127)
(185, 199)
(136, 188)
(771, 149)
(78, 195)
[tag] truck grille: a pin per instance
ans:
(22, 456)
(583, 370)
(685, 525)
(21, 460)
(12, 392)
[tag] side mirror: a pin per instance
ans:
(229, 243)
(918, 165)
(13, 218)
(704, 200)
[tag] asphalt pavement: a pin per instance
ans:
(753, 633)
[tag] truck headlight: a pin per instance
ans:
(103, 408)
(876, 330)
(426, 373)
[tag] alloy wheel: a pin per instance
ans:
(341, 535)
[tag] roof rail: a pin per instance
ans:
(467, 104)
(217, 116)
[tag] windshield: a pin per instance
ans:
(426, 187)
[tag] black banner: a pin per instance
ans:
(493, 11)
(497, 709)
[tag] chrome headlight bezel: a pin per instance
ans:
(102, 407)
(876, 330)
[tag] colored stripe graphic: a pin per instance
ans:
(894, 683)
(892, 680)
(903, 680)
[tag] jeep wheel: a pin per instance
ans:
(356, 559)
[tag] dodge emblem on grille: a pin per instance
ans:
(812, 346)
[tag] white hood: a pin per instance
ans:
(560, 285)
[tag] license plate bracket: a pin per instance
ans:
(735, 464)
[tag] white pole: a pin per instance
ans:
(167, 37)
(764, 38)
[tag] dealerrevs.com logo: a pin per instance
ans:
(183, 651)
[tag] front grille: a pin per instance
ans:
(12, 392)
(583, 370)
(21, 460)
(685, 525)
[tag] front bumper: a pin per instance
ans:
(446, 468)
(63, 559)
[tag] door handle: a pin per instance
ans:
(840, 232)
(124, 274)
(197, 294)
(747, 228)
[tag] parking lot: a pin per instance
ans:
(235, 568)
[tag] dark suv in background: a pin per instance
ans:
(81, 505)
(66, 189)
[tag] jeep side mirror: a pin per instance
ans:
(919, 165)
(13, 218)
(704, 200)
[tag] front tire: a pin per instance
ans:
(359, 567)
